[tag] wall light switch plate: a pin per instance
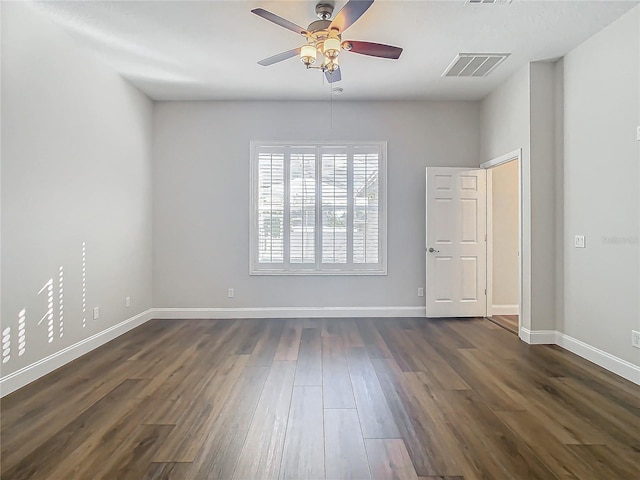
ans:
(579, 241)
(639, 133)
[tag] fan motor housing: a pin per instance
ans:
(324, 11)
(319, 25)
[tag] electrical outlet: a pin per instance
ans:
(96, 313)
(231, 293)
(421, 292)
(127, 302)
(635, 338)
(579, 241)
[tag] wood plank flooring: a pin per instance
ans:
(510, 322)
(393, 398)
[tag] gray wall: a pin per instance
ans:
(201, 196)
(505, 127)
(559, 188)
(542, 171)
(521, 114)
(505, 118)
(601, 185)
(76, 167)
(576, 121)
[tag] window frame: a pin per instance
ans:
(317, 268)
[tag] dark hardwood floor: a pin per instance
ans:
(509, 322)
(311, 399)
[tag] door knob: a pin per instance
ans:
(433, 250)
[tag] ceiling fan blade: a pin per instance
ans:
(272, 17)
(334, 76)
(351, 12)
(373, 49)
(279, 57)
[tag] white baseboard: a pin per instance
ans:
(607, 361)
(504, 309)
(28, 374)
(538, 337)
(287, 312)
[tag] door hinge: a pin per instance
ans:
(485, 291)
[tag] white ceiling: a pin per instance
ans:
(195, 50)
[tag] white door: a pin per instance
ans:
(456, 242)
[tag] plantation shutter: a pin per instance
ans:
(318, 208)
(270, 207)
(334, 205)
(302, 207)
(365, 207)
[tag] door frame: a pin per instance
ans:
(516, 156)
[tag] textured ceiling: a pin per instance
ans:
(184, 50)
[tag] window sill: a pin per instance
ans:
(319, 273)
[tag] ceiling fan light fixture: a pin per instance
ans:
(308, 54)
(332, 65)
(332, 47)
(324, 38)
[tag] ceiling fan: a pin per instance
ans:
(324, 38)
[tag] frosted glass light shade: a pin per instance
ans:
(308, 54)
(331, 47)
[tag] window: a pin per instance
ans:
(318, 208)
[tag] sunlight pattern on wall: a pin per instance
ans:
(22, 338)
(84, 284)
(6, 345)
(49, 315)
(61, 301)
(54, 292)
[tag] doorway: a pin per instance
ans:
(503, 241)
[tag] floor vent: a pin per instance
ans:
(474, 64)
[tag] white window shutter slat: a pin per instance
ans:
(302, 208)
(270, 208)
(365, 205)
(318, 208)
(334, 207)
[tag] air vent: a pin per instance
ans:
(488, 2)
(474, 64)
